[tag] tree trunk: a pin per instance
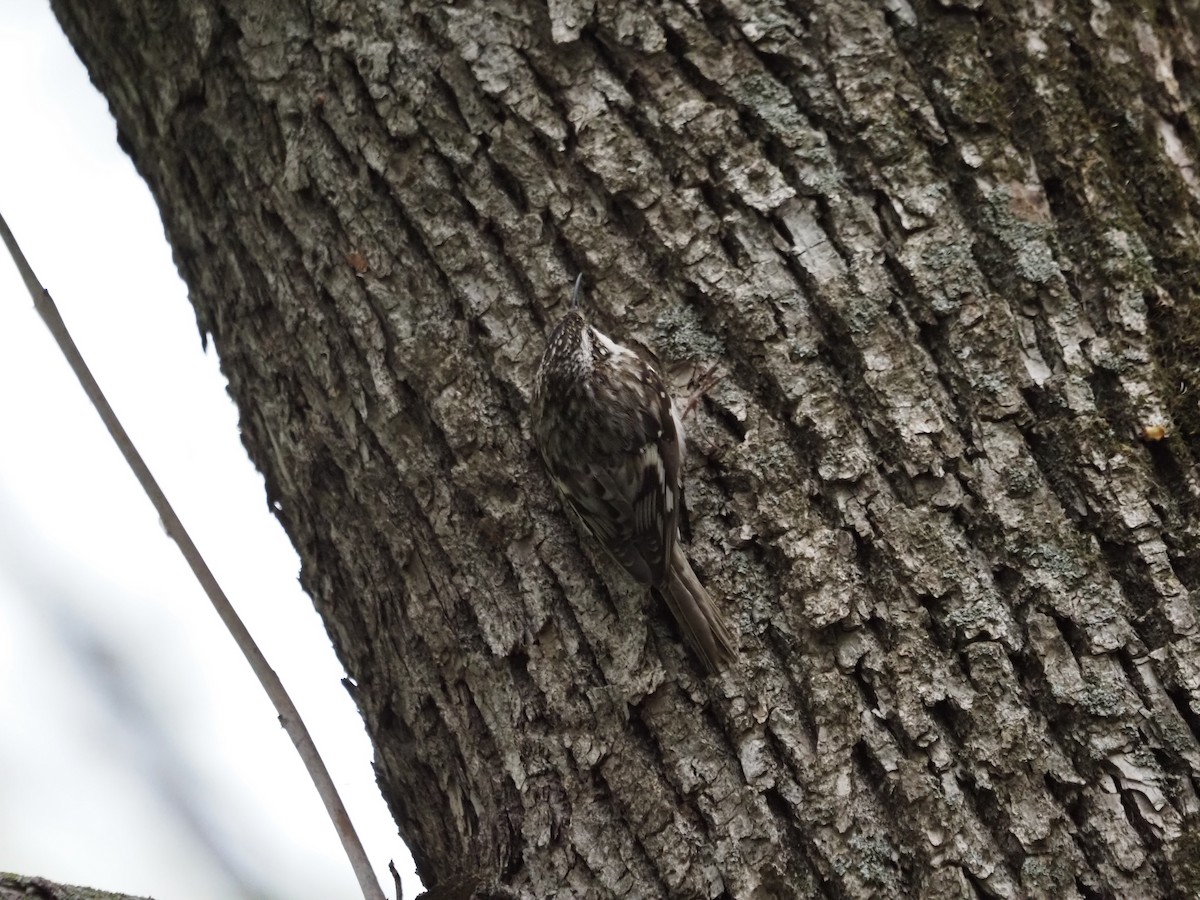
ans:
(947, 259)
(18, 887)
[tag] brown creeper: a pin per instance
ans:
(613, 442)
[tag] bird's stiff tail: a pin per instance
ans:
(701, 622)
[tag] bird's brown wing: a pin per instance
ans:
(631, 504)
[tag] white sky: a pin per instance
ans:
(137, 752)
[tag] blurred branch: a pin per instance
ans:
(289, 717)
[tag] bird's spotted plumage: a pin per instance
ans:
(613, 443)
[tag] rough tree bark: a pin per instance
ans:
(19, 887)
(947, 257)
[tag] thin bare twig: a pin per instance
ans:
(289, 717)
